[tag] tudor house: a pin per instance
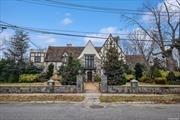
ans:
(90, 57)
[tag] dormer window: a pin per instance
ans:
(65, 57)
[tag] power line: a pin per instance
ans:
(34, 44)
(59, 4)
(95, 7)
(60, 33)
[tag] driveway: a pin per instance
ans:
(83, 111)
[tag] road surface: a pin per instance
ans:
(83, 111)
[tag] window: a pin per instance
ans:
(37, 59)
(65, 57)
(89, 61)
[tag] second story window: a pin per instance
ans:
(65, 57)
(37, 59)
(89, 61)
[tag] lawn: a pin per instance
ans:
(165, 99)
(40, 97)
(28, 84)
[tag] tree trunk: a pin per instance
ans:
(170, 63)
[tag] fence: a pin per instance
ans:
(134, 88)
(51, 88)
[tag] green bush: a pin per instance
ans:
(171, 76)
(70, 70)
(50, 71)
(177, 74)
(10, 71)
(42, 77)
(31, 69)
(154, 72)
(174, 78)
(145, 78)
(138, 70)
(97, 78)
(129, 77)
(164, 73)
(160, 80)
(28, 78)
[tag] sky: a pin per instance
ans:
(21, 13)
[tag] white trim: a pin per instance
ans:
(89, 49)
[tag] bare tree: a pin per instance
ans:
(162, 30)
(144, 48)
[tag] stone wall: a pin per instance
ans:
(38, 89)
(144, 90)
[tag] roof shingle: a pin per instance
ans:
(55, 53)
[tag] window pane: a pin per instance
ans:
(37, 59)
(89, 61)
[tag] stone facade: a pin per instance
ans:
(38, 89)
(143, 90)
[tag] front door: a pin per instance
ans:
(89, 76)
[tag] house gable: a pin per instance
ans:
(106, 45)
(89, 49)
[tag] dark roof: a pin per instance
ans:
(133, 59)
(55, 53)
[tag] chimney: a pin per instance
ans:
(69, 45)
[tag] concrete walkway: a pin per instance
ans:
(91, 98)
(91, 87)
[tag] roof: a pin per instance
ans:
(133, 59)
(55, 53)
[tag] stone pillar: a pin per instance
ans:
(134, 86)
(104, 86)
(79, 83)
(51, 86)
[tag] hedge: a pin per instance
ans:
(28, 78)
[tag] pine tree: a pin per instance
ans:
(69, 71)
(18, 46)
(50, 71)
(114, 68)
(138, 71)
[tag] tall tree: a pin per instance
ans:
(18, 46)
(113, 66)
(163, 27)
(138, 70)
(50, 71)
(69, 71)
(142, 47)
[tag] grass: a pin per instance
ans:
(24, 84)
(165, 99)
(28, 98)
(28, 84)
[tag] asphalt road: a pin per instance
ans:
(42, 111)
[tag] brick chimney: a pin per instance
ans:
(69, 45)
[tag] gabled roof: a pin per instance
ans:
(55, 53)
(89, 49)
